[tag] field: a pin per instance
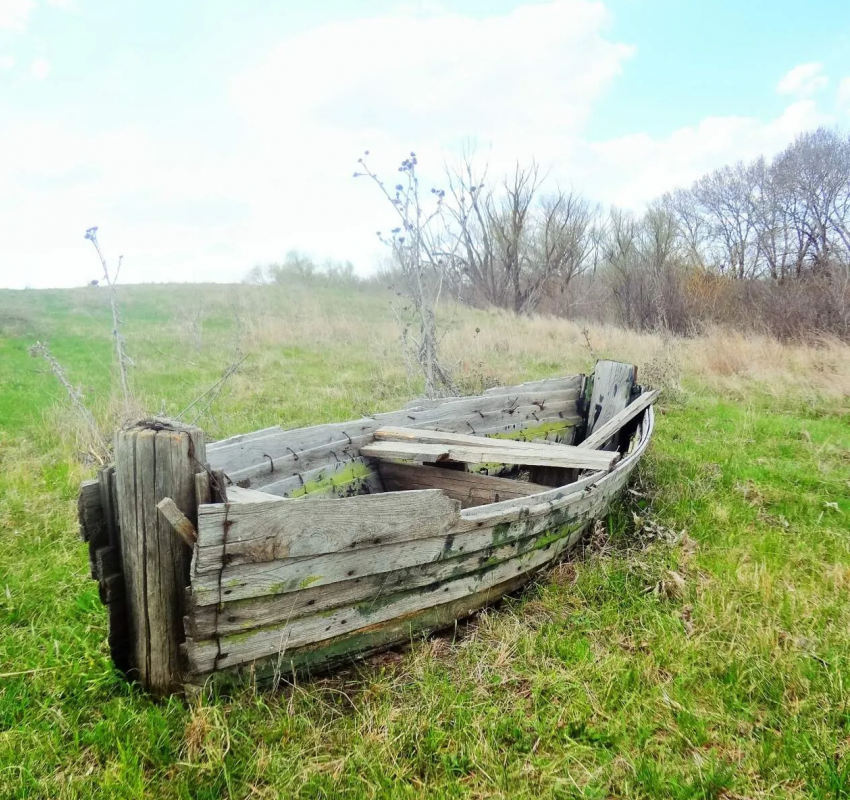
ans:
(698, 646)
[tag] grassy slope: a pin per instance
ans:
(592, 684)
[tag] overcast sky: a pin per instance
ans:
(206, 136)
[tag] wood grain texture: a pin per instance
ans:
(178, 521)
(613, 426)
(554, 456)
(236, 494)
(280, 451)
(428, 436)
(292, 529)
(348, 648)
(611, 392)
(468, 536)
(241, 615)
(150, 466)
(229, 651)
(470, 488)
(90, 513)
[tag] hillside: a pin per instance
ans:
(605, 678)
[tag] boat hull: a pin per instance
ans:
(311, 614)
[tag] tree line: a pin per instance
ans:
(759, 245)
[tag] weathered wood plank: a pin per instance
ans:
(178, 520)
(611, 392)
(269, 467)
(561, 456)
(471, 488)
(237, 494)
(295, 574)
(549, 386)
(467, 414)
(151, 464)
(287, 529)
(241, 615)
(348, 648)
(427, 436)
(90, 513)
(335, 478)
(229, 651)
(605, 431)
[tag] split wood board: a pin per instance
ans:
(427, 436)
(225, 652)
(605, 431)
(568, 457)
(246, 533)
(240, 615)
(471, 488)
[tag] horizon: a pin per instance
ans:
(205, 140)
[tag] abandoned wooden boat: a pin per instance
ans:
(298, 549)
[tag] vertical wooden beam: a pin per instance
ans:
(154, 461)
(611, 393)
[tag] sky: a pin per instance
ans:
(203, 137)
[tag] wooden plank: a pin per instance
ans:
(178, 521)
(427, 436)
(336, 479)
(610, 393)
(415, 451)
(347, 648)
(90, 513)
(222, 584)
(270, 465)
(241, 615)
(293, 529)
(471, 488)
(203, 490)
(241, 437)
(604, 432)
(466, 414)
(236, 494)
(151, 464)
(229, 651)
(568, 384)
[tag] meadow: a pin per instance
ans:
(696, 647)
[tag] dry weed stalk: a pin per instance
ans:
(123, 359)
(418, 248)
(97, 446)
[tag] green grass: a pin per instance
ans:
(596, 682)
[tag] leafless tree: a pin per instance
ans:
(514, 243)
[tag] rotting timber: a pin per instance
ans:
(280, 551)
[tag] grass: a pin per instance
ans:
(604, 679)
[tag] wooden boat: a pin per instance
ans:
(316, 545)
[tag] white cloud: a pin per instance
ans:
(40, 69)
(803, 80)
(842, 96)
(15, 14)
(7, 62)
(520, 84)
(633, 170)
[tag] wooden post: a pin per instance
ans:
(611, 393)
(153, 461)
